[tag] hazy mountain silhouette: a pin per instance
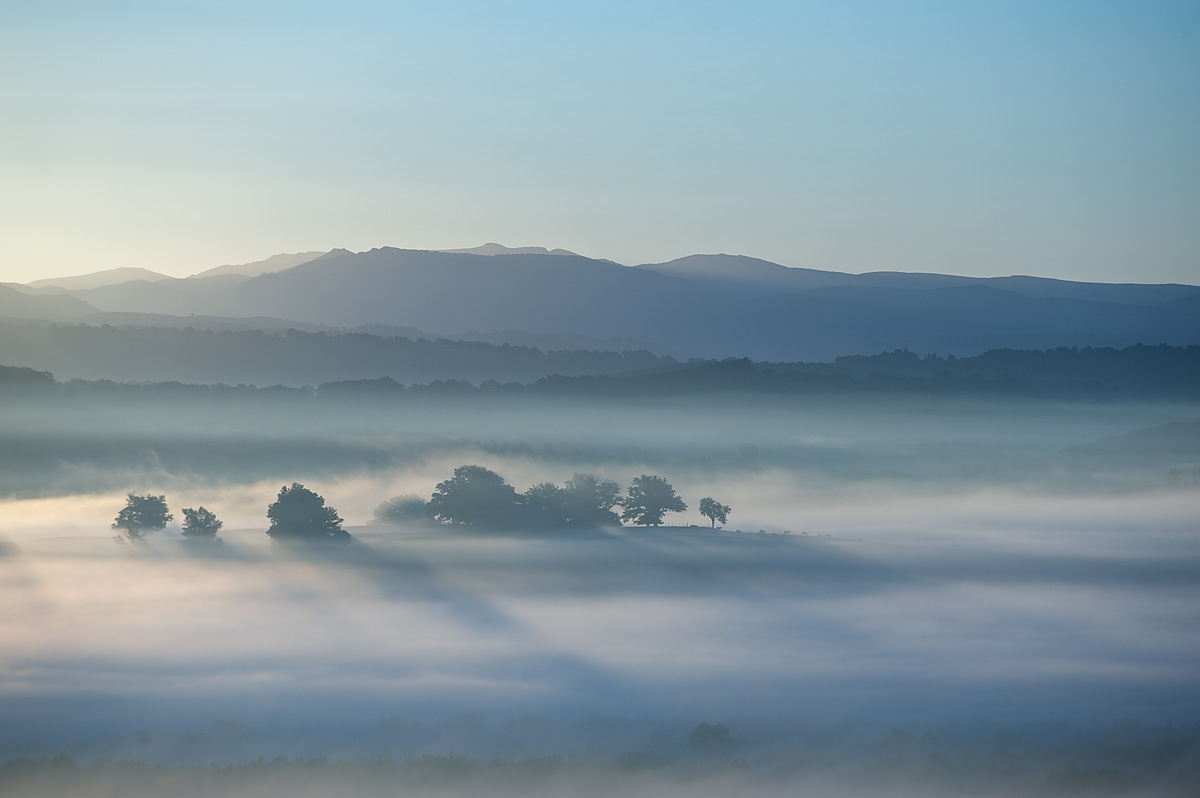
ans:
(746, 276)
(556, 294)
(173, 295)
(17, 304)
(700, 306)
(500, 249)
(275, 263)
(443, 291)
(116, 276)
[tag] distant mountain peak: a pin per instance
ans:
(492, 248)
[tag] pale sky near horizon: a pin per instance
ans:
(1052, 138)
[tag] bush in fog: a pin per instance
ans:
(714, 511)
(300, 514)
(200, 523)
(401, 508)
(142, 514)
(649, 499)
(475, 496)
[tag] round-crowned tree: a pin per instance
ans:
(590, 500)
(649, 498)
(714, 511)
(475, 496)
(200, 523)
(300, 514)
(142, 514)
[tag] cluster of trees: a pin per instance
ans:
(477, 496)
(472, 496)
(144, 513)
(296, 514)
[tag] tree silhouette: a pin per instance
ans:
(590, 500)
(142, 514)
(545, 504)
(200, 524)
(648, 499)
(475, 496)
(300, 514)
(713, 510)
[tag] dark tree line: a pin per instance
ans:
(478, 496)
(472, 496)
(1137, 371)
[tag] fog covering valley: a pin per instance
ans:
(973, 572)
(987, 590)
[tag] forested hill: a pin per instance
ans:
(290, 357)
(1166, 372)
(1137, 372)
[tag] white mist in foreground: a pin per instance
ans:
(637, 622)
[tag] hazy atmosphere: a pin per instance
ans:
(640, 399)
(1058, 139)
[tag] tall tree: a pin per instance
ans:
(649, 498)
(142, 514)
(713, 510)
(300, 514)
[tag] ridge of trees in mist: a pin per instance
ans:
(1139, 371)
(291, 357)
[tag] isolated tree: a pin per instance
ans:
(649, 498)
(200, 524)
(714, 511)
(590, 499)
(300, 514)
(142, 514)
(475, 496)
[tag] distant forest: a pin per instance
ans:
(1135, 372)
(292, 357)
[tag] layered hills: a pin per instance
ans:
(698, 306)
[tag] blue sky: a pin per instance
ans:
(1053, 138)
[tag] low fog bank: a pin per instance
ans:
(604, 755)
(658, 623)
(833, 445)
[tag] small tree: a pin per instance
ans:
(649, 498)
(475, 496)
(714, 511)
(142, 514)
(200, 524)
(300, 514)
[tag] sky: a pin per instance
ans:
(1053, 138)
